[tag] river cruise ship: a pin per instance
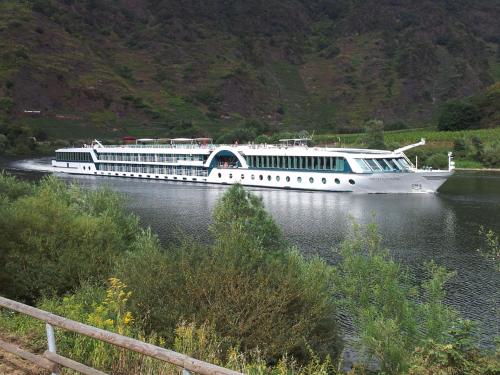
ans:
(291, 164)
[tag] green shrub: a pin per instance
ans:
(240, 135)
(256, 291)
(374, 137)
(457, 115)
(439, 160)
(58, 236)
(377, 293)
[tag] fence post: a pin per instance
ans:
(51, 341)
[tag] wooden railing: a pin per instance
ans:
(51, 361)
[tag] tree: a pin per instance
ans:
(255, 290)
(377, 294)
(374, 137)
(458, 115)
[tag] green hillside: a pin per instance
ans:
(109, 68)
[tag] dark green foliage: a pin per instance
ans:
(6, 105)
(240, 135)
(374, 137)
(396, 125)
(459, 146)
(438, 160)
(222, 55)
(458, 115)
(458, 354)
(55, 237)
(256, 291)
(125, 72)
(378, 294)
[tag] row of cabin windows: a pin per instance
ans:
(159, 158)
(154, 169)
(74, 156)
(287, 178)
(322, 163)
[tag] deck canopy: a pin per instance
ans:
(145, 140)
(181, 140)
(294, 141)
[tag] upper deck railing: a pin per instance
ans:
(51, 361)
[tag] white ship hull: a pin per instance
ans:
(414, 182)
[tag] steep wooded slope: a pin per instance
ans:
(199, 67)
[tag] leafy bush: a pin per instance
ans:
(459, 354)
(378, 294)
(457, 115)
(54, 237)
(439, 160)
(374, 137)
(396, 125)
(256, 291)
(240, 135)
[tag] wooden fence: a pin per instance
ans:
(51, 361)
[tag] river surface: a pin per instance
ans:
(416, 228)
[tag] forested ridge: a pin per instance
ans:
(100, 68)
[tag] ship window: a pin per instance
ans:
(242, 176)
(220, 175)
(311, 180)
(287, 178)
(373, 165)
(278, 178)
(269, 178)
(230, 175)
(337, 181)
(404, 164)
(261, 177)
(253, 177)
(299, 179)
(323, 180)
(386, 167)
(393, 164)
(352, 182)
(362, 164)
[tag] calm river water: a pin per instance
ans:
(416, 228)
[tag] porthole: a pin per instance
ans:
(287, 178)
(299, 179)
(269, 178)
(337, 181)
(278, 178)
(261, 177)
(311, 180)
(323, 180)
(219, 175)
(230, 175)
(253, 177)
(352, 182)
(242, 176)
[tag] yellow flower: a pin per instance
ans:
(127, 319)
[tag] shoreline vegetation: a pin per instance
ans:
(247, 301)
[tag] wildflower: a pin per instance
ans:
(127, 319)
